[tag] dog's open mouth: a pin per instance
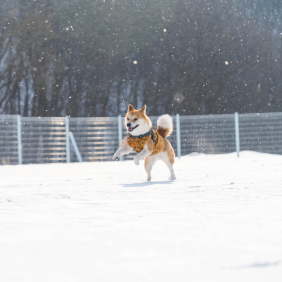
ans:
(132, 128)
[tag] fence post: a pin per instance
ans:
(120, 133)
(67, 126)
(178, 136)
(19, 137)
(237, 137)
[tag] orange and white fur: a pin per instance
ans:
(138, 123)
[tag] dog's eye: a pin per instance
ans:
(127, 118)
(135, 119)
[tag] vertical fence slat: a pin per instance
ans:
(19, 137)
(120, 133)
(178, 136)
(237, 137)
(72, 139)
(67, 126)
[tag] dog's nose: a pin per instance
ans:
(128, 125)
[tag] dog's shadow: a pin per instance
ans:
(147, 183)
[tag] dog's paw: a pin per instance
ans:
(115, 158)
(136, 161)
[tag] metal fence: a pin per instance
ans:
(46, 140)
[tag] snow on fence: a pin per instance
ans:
(27, 140)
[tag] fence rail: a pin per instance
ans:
(25, 140)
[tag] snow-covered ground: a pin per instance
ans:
(221, 220)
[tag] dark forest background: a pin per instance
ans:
(92, 58)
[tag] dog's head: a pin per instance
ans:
(137, 122)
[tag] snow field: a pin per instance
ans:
(221, 220)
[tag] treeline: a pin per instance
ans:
(92, 58)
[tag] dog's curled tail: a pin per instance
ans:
(165, 125)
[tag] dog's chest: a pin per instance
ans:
(138, 143)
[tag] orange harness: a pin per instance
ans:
(138, 143)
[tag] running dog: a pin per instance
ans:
(149, 144)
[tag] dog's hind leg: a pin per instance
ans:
(149, 162)
(169, 160)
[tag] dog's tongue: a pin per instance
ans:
(129, 128)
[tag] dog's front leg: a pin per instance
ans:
(122, 151)
(146, 152)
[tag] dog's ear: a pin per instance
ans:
(143, 110)
(130, 108)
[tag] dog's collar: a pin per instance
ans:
(151, 132)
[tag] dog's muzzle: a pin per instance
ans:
(130, 129)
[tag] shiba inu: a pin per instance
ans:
(149, 144)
